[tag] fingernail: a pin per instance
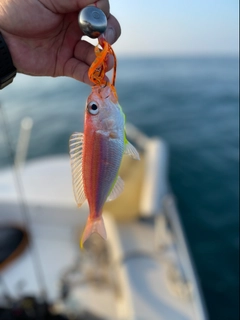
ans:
(110, 35)
(110, 61)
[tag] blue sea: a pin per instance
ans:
(193, 104)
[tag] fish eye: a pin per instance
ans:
(92, 108)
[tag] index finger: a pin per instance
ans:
(63, 6)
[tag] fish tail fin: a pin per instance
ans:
(93, 225)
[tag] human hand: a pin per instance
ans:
(44, 38)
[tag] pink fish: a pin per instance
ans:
(96, 156)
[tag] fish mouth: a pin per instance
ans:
(104, 91)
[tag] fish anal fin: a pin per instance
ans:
(117, 189)
(93, 226)
(131, 151)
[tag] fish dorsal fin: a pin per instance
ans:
(75, 151)
(131, 151)
(117, 189)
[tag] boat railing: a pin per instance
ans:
(157, 203)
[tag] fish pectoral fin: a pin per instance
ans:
(117, 189)
(93, 225)
(131, 151)
(75, 151)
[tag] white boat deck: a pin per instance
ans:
(144, 283)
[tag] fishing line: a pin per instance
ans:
(24, 209)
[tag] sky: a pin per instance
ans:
(177, 27)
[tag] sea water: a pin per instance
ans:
(193, 104)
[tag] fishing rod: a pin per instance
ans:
(23, 206)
